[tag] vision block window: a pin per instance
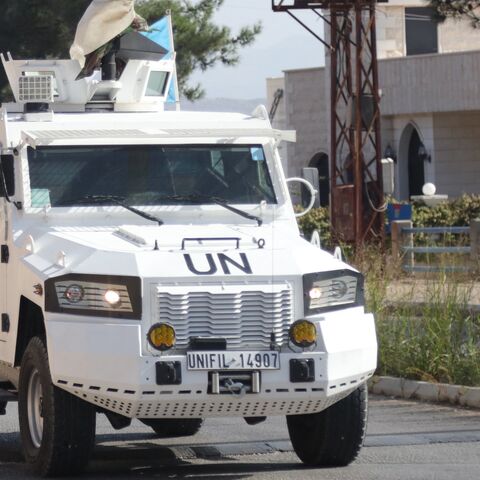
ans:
(421, 28)
(157, 84)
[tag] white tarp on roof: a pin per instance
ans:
(103, 20)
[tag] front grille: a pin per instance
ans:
(247, 316)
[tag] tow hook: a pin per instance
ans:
(237, 389)
(237, 384)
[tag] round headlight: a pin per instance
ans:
(303, 333)
(339, 289)
(74, 293)
(112, 297)
(162, 336)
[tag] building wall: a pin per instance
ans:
(390, 31)
(428, 83)
(457, 152)
(437, 95)
(454, 35)
(306, 113)
(458, 36)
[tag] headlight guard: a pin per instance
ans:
(335, 290)
(89, 298)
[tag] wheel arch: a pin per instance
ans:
(31, 323)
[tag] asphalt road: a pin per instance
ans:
(406, 440)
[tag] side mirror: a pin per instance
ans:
(310, 189)
(7, 176)
(311, 175)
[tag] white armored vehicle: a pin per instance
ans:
(152, 269)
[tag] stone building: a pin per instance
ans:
(429, 74)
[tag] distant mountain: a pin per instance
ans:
(223, 105)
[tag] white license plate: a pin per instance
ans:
(233, 360)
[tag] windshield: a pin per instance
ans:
(148, 174)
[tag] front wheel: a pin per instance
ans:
(334, 436)
(57, 430)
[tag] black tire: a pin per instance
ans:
(174, 427)
(334, 437)
(64, 442)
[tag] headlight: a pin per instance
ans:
(332, 290)
(98, 295)
(113, 298)
(74, 294)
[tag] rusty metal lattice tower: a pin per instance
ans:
(357, 201)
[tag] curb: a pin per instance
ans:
(425, 391)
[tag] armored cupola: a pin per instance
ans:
(117, 63)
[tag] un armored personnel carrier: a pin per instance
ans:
(152, 269)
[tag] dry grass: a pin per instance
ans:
(426, 327)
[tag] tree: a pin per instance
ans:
(46, 28)
(38, 28)
(458, 9)
(200, 44)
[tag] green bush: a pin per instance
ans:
(457, 213)
(316, 219)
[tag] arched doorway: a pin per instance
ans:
(321, 162)
(411, 168)
(416, 167)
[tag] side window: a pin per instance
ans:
(421, 30)
(258, 156)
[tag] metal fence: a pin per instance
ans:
(462, 257)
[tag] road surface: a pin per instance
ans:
(406, 440)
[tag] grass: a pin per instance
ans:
(425, 328)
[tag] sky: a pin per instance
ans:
(282, 45)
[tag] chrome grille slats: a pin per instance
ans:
(246, 315)
(93, 296)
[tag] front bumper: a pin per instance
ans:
(103, 364)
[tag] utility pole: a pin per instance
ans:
(357, 202)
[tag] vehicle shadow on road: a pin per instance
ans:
(10, 448)
(143, 457)
(233, 468)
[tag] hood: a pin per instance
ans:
(174, 251)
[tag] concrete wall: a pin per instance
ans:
(457, 152)
(306, 113)
(454, 35)
(430, 83)
(390, 31)
(458, 36)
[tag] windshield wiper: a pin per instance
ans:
(98, 199)
(199, 198)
